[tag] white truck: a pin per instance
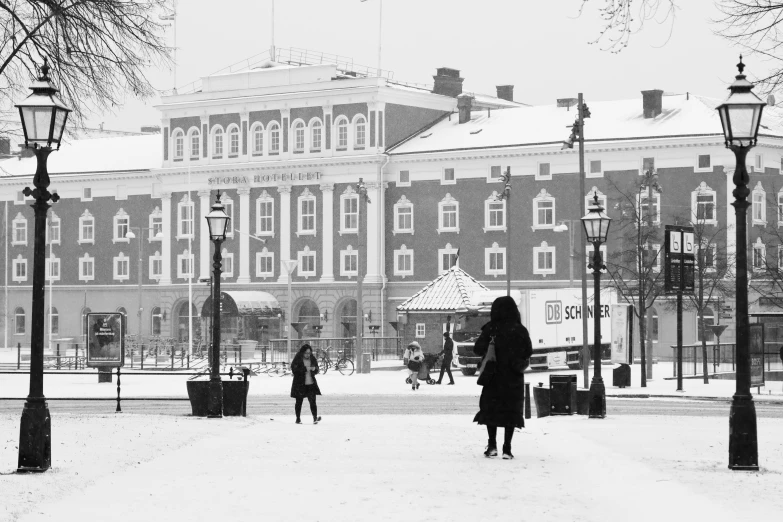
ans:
(553, 317)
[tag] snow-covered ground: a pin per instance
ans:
(390, 468)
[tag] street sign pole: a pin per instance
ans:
(680, 253)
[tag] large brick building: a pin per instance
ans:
(285, 146)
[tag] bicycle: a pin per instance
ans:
(344, 364)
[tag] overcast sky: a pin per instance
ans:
(541, 47)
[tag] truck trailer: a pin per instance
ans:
(553, 317)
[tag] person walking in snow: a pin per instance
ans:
(304, 367)
(448, 354)
(413, 358)
(502, 398)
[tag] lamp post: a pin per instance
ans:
(596, 224)
(43, 122)
(740, 116)
(131, 235)
(506, 195)
(290, 266)
(218, 222)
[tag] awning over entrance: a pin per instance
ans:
(243, 303)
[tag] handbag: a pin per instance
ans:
(414, 365)
(488, 365)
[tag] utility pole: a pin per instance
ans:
(582, 108)
(363, 200)
(506, 195)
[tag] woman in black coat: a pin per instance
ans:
(305, 367)
(502, 399)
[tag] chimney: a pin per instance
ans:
(447, 82)
(652, 102)
(464, 104)
(505, 92)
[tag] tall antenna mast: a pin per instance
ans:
(172, 17)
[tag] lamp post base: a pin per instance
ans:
(35, 437)
(597, 399)
(743, 446)
(215, 399)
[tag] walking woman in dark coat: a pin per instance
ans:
(305, 367)
(502, 400)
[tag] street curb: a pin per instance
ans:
(691, 397)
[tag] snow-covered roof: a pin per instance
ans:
(110, 154)
(682, 115)
(452, 290)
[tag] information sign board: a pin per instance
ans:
(679, 259)
(621, 333)
(756, 347)
(105, 340)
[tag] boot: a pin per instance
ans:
(507, 452)
(492, 449)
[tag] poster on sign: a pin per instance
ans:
(105, 340)
(756, 348)
(621, 333)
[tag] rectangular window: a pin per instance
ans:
(316, 144)
(266, 217)
(448, 177)
(595, 167)
(351, 213)
(495, 173)
(404, 179)
(87, 230)
(274, 140)
(233, 138)
(299, 135)
(306, 264)
(447, 260)
(545, 212)
(544, 261)
(121, 228)
(86, 269)
(228, 265)
(349, 265)
(758, 206)
(52, 269)
(156, 267)
(19, 270)
(705, 207)
(156, 226)
(186, 219)
(19, 319)
(404, 218)
(759, 164)
(121, 268)
(449, 216)
(648, 165)
(704, 161)
(53, 231)
(342, 136)
(195, 145)
(185, 266)
(496, 212)
(544, 171)
(87, 194)
(420, 330)
(307, 216)
(497, 261)
(758, 257)
(403, 262)
(20, 232)
(265, 262)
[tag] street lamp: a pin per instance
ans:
(218, 223)
(43, 117)
(596, 224)
(131, 235)
(290, 266)
(740, 116)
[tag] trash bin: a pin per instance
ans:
(621, 376)
(562, 394)
(541, 400)
(366, 361)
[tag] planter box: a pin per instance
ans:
(234, 395)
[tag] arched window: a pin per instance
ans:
(157, 321)
(179, 144)
(347, 317)
(194, 138)
(360, 132)
(54, 322)
(233, 141)
(257, 134)
(309, 313)
(706, 320)
(342, 133)
(274, 138)
(315, 135)
(19, 321)
(299, 136)
(217, 142)
(85, 311)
